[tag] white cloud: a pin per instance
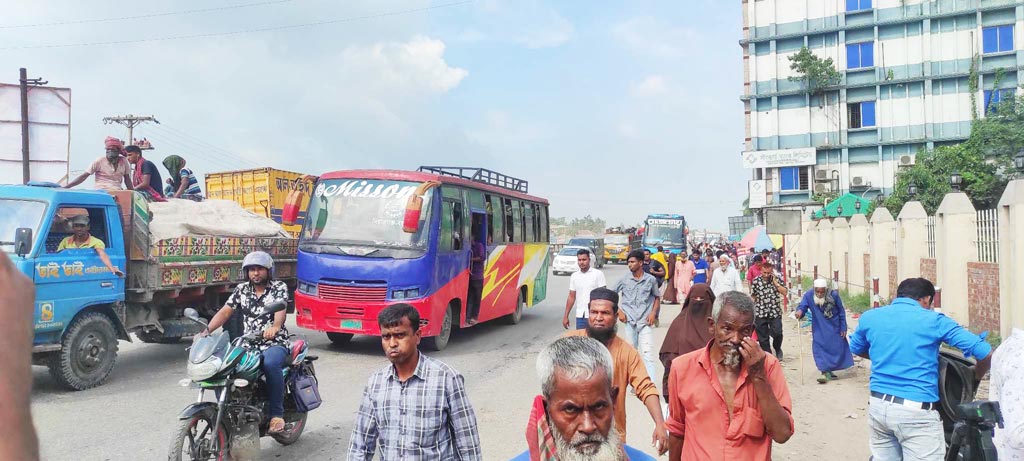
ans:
(651, 86)
(649, 35)
(413, 66)
(555, 32)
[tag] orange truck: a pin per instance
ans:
(262, 191)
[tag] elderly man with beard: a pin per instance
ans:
(629, 367)
(728, 400)
(828, 317)
(573, 418)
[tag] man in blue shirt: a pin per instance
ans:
(902, 341)
(701, 267)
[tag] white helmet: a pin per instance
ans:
(258, 258)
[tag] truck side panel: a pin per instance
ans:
(262, 191)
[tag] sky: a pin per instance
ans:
(612, 109)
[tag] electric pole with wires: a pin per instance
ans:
(130, 121)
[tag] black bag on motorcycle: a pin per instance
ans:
(305, 390)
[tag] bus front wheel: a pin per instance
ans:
(439, 342)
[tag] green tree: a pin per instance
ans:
(814, 73)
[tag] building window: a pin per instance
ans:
(793, 178)
(857, 5)
(862, 114)
(997, 39)
(994, 97)
(860, 55)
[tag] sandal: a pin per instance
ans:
(276, 425)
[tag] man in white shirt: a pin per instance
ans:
(1007, 387)
(581, 283)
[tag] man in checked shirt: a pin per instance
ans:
(416, 407)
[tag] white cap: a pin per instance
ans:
(820, 283)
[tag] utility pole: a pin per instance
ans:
(26, 171)
(130, 121)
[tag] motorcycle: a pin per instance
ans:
(231, 426)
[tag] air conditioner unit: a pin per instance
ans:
(821, 188)
(821, 175)
(857, 181)
(906, 160)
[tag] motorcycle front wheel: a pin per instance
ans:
(194, 439)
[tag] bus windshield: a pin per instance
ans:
(18, 213)
(667, 232)
(345, 214)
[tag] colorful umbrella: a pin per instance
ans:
(758, 238)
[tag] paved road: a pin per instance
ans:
(134, 414)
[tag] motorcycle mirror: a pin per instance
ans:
(193, 315)
(274, 307)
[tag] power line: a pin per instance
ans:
(191, 146)
(188, 149)
(144, 16)
(208, 146)
(160, 141)
(245, 31)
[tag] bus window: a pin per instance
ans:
(517, 222)
(458, 226)
(510, 222)
(544, 229)
(446, 240)
(529, 227)
(490, 219)
(523, 222)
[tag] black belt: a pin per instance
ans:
(905, 402)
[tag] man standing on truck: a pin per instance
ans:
(110, 170)
(82, 239)
(249, 298)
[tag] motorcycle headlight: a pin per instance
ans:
(204, 370)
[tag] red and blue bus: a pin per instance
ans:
(373, 238)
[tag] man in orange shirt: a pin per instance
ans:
(729, 400)
(628, 366)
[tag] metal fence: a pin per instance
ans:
(931, 236)
(988, 236)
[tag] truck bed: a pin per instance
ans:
(191, 261)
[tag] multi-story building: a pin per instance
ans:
(907, 68)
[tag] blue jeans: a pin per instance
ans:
(904, 433)
(641, 337)
(274, 360)
(581, 323)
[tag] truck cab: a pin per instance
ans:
(79, 302)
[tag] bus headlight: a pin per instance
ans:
(405, 294)
(307, 288)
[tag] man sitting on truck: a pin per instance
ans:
(82, 239)
(110, 170)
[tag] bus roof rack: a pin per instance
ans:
(481, 175)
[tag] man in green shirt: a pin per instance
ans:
(82, 239)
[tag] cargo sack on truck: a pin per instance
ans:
(176, 218)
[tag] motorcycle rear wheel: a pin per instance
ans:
(194, 437)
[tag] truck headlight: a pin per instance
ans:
(405, 294)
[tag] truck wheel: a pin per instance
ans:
(439, 342)
(87, 353)
(340, 339)
(516, 316)
(156, 337)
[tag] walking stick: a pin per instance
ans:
(800, 345)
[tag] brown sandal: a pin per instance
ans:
(276, 425)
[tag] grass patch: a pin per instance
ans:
(858, 303)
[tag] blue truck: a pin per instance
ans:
(82, 309)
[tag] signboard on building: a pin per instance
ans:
(779, 158)
(740, 224)
(785, 222)
(758, 197)
(49, 125)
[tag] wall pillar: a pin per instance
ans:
(1011, 257)
(911, 240)
(859, 245)
(956, 230)
(882, 238)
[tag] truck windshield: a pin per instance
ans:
(668, 232)
(17, 214)
(346, 214)
(617, 239)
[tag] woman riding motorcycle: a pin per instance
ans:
(249, 298)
